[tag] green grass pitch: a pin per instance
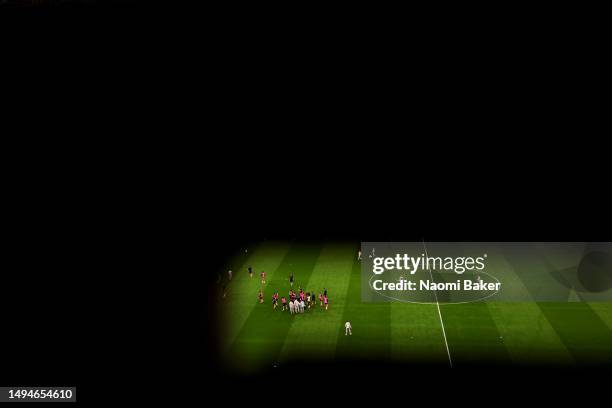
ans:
(255, 337)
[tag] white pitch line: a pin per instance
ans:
(439, 312)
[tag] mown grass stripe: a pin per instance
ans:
(472, 335)
(416, 329)
(526, 334)
(242, 290)
(604, 311)
(263, 334)
(371, 324)
(313, 335)
(582, 331)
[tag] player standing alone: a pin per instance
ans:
(291, 279)
(263, 277)
(359, 255)
(260, 296)
(284, 302)
(250, 272)
(348, 329)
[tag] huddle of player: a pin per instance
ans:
(296, 306)
(298, 303)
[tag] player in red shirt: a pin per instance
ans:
(321, 299)
(284, 302)
(263, 277)
(325, 301)
(274, 301)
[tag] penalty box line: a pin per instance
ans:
(450, 361)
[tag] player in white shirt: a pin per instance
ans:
(298, 306)
(230, 274)
(302, 306)
(348, 329)
(291, 307)
(359, 255)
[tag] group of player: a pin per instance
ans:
(297, 302)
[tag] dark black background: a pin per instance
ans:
(192, 130)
